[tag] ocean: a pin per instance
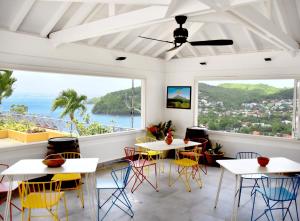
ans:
(41, 105)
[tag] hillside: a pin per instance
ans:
(117, 102)
(233, 95)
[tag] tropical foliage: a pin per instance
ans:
(21, 126)
(160, 130)
(70, 102)
(18, 109)
(6, 84)
(91, 129)
(118, 102)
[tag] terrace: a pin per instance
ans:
(90, 39)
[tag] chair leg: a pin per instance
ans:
(253, 206)
(240, 191)
(98, 204)
(66, 208)
(29, 214)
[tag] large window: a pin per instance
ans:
(259, 107)
(76, 104)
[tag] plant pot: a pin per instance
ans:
(211, 158)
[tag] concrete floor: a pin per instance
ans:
(171, 203)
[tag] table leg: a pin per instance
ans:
(8, 200)
(219, 186)
(235, 198)
(91, 192)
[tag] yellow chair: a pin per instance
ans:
(151, 154)
(41, 195)
(186, 169)
(73, 178)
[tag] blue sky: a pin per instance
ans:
(282, 83)
(50, 84)
(174, 91)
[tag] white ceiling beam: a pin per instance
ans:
(280, 16)
(251, 39)
(162, 49)
(111, 12)
(131, 20)
(111, 9)
(21, 14)
(268, 8)
(118, 39)
(193, 29)
(260, 25)
(55, 18)
(179, 7)
(92, 15)
(134, 43)
(80, 15)
(212, 18)
(151, 43)
(125, 2)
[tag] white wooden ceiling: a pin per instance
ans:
(253, 25)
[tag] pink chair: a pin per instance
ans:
(4, 187)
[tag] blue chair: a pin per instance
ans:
(278, 194)
(118, 197)
(254, 177)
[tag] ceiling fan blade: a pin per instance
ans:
(156, 39)
(220, 42)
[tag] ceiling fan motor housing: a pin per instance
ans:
(180, 35)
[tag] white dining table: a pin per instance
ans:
(161, 145)
(240, 167)
(29, 167)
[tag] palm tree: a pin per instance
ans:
(6, 83)
(70, 102)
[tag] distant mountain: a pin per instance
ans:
(178, 97)
(117, 102)
(233, 95)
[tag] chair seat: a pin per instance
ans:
(253, 176)
(276, 194)
(150, 153)
(42, 200)
(66, 177)
(4, 186)
(143, 163)
(109, 184)
(185, 162)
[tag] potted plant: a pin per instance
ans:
(160, 130)
(214, 154)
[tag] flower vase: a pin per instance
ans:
(169, 138)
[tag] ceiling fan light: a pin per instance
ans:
(203, 63)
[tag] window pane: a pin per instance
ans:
(260, 107)
(86, 105)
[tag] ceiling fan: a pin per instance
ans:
(181, 34)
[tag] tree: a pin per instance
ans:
(19, 109)
(70, 102)
(6, 83)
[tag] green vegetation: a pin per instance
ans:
(21, 126)
(243, 108)
(118, 102)
(19, 109)
(178, 102)
(70, 102)
(91, 129)
(6, 83)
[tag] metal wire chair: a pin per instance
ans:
(278, 194)
(254, 177)
(118, 183)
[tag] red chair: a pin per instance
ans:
(138, 167)
(4, 187)
(197, 152)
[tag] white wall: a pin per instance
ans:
(19, 51)
(246, 66)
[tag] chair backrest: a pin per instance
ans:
(70, 155)
(247, 155)
(203, 142)
(129, 153)
(121, 175)
(48, 193)
(145, 139)
(281, 188)
(2, 167)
